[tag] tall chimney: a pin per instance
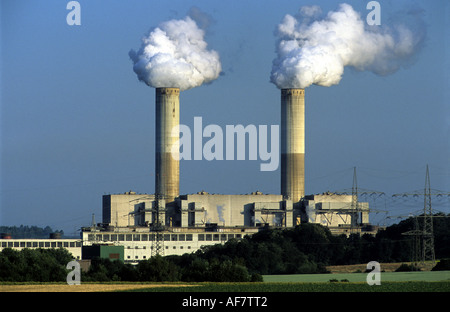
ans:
(293, 144)
(167, 168)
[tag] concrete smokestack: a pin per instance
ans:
(293, 144)
(167, 168)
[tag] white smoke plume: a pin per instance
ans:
(315, 51)
(175, 54)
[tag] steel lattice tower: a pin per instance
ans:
(427, 238)
(158, 228)
(426, 235)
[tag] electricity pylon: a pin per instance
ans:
(426, 235)
(158, 228)
(355, 207)
(416, 253)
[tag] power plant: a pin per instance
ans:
(170, 223)
(185, 222)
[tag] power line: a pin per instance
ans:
(426, 235)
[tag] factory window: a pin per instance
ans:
(136, 257)
(189, 237)
(129, 237)
(145, 257)
(35, 244)
(152, 237)
(216, 237)
(174, 237)
(91, 237)
(78, 244)
(4, 244)
(66, 244)
(136, 237)
(10, 244)
(113, 237)
(22, 244)
(181, 237)
(189, 247)
(144, 237)
(167, 237)
(16, 244)
(230, 236)
(60, 244)
(167, 247)
(72, 244)
(47, 244)
(121, 237)
(238, 236)
(28, 244)
(201, 237)
(53, 244)
(181, 247)
(174, 247)
(99, 237)
(223, 237)
(106, 237)
(208, 237)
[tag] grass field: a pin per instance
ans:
(408, 286)
(430, 276)
(309, 287)
(425, 281)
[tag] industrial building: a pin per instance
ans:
(180, 223)
(72, 245)
(171, 223)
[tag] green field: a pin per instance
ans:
(438, 281)
(308, 287)
(430, 276)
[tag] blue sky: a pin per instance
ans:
(76, 123)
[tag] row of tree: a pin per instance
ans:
(34, 265)
(25, 231)
(307, 248)
(159, 269)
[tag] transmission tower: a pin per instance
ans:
(355, 207)
(428, 239)
(416, 233)
(158, 228)
(426, 235)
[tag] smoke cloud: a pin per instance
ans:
(175, 54)
(315, 51)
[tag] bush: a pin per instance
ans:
(256, 277)
(407, 268)
(158, 269)
(34, 265)
(442, 265)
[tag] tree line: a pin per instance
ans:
(307, 248)
(25, 231)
